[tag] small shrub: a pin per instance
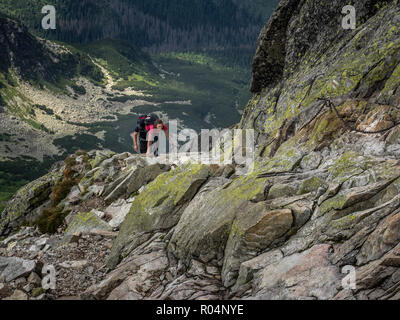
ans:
(61, 190)
(86, 158)
(44, 109)
(84, 155)
(70, 161)
(69, 173)
(51, 219)
(79, 89)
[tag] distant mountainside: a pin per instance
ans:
(35, 60)
(168, 25)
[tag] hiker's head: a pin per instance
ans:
(158, 124)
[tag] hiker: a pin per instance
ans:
(143, 126)
(153, 140)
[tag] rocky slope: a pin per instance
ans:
(47, 91)
(323, 193)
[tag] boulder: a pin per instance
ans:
(249, 268)
(384, 238)
(117, 211)
(306, 275)
(206, 223)
(12, 268)
(144, 280)
(21, 208)
(18, 295)
(158, 206)
(34, 279)
(41, 243)
(99, 157)
(131, 181)
(84, 223)
(253, 231)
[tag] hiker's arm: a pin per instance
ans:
(168, 137)
(149, 143)
(134, 137)
(148, 148)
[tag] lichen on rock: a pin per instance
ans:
(323, 192)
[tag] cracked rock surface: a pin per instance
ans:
(323, 194)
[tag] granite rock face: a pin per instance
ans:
(304, 47)
(322, 198)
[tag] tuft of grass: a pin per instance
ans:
(51, 219)
(53, 216)
(78, 89)
(61, 190)
(70, 161)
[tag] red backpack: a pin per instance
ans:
(145, 121)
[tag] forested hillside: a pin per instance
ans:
(159, 26)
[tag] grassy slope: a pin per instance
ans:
(9, 187)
